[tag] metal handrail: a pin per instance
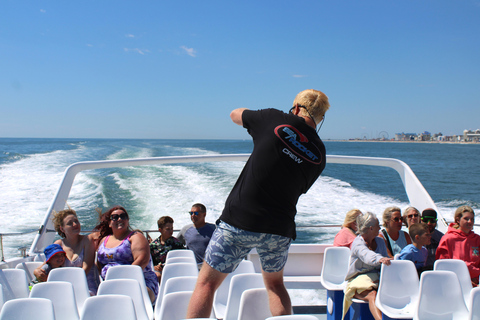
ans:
(8, 234)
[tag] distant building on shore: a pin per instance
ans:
(471, 136)
(405, 136)
(468, 136)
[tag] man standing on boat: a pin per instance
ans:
(287, 158)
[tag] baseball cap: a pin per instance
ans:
(429, 214)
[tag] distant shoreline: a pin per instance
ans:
(393, 141)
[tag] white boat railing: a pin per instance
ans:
(416, 193)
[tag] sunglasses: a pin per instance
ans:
(116, 217)
(431, 220)
(410, 216)
(193, 212)
(398, 219)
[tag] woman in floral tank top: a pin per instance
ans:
(119, 245)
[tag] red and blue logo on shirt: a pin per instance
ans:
(299, 148)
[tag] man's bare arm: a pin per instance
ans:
(236, 116)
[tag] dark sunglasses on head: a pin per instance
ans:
(398, 219)
(116, 217)
(415, 215)
(431, 220)
(193, 212)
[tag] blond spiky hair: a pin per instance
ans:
(316, 102)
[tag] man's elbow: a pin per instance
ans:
(236, 116)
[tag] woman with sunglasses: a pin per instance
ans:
(120, 245)
(410, 216)
(395, 238)
(79, 249)
(460, 242)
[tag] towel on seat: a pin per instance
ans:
(362, 282)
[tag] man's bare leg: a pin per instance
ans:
(278, 297)
(208, 281)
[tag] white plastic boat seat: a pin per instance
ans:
(177, 284)
(14, 284)
(172, 271)
(28, 308)
(181, 260)
(459, 267)
(76, 276)
(136, 273)
(62, 296)
(128, 287)
(221, 295)
(238, 285)
(28, 267)
(109, 307)
(334, 269)
(293, 317)
(474, 304)
(398, 289)
(174, 306)
(254, 305)
(440, 297)
(179, 253)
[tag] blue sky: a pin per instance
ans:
(175, 69)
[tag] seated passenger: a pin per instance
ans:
(410, 216)
(429, 217)
(79, 249)
(196, 236)
(460, 242)
(54, 258)
(166, 242)
(346, 235)
(395, 238)
(416, 251)
(368, 253)
(119, 245)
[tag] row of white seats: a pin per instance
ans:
(445, 292)
(174, 280)
(241, 296)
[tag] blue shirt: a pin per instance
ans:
(412, 253)
(196, 239)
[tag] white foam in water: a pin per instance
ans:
(171, 190)
(27, 187)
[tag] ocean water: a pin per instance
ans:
(31, 171)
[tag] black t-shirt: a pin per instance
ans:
(287, 158)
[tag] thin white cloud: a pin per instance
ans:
(129, 35)
(299, 76)
(43, 10)
(89, 45)
(190, 51)
(137, 50)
